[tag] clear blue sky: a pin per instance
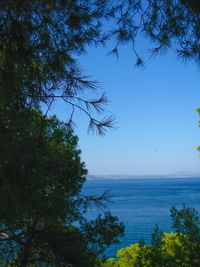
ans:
(156, 115)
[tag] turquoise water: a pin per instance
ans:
(142, 203)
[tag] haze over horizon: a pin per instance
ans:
(129, 176)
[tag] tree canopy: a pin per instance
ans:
(42, 209)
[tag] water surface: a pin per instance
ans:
(142, 203)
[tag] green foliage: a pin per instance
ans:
(42, 210)
(173, 251)
(186, 223)
(39, 153)
(39, 45)
(178, 249)
(134, 255)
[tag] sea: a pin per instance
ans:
(143, 203)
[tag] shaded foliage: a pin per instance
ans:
(42, 210)
(39, 45)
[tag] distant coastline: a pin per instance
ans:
(126, 177)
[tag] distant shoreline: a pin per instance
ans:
(129, 177)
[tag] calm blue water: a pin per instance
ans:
(142, 203)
